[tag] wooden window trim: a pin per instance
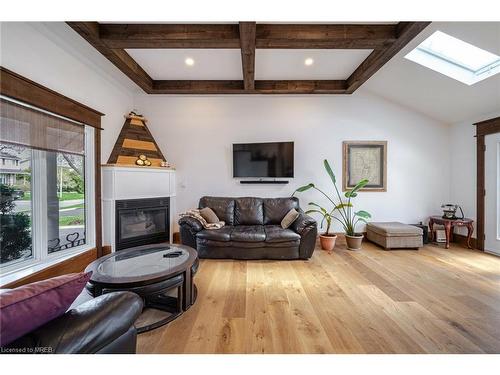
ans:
(24, 90)
(483, 128)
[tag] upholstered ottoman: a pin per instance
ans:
(394, 235)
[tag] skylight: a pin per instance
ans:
(455, 58)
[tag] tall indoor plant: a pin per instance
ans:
(342, 209)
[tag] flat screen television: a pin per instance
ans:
(273, 159)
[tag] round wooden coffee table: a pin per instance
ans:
(162, 274)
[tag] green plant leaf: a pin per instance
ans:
(361, 184)
(363, 214)
(312, 211)
(329, 171)
(317, 205)
(353, 192)
(342, 205)
(303, 188)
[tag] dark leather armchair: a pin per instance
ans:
(101, 325)
(252, 230)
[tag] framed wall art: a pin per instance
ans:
(365, 159)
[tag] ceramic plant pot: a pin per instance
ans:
(354, 242)
(327, 241)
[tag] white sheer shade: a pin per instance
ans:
(29, 127)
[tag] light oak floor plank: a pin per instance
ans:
(371, 301)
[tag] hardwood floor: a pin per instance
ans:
(372, 301)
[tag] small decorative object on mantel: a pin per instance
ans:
(135, 145)
(143, 161)
(365, 160)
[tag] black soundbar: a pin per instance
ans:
(264, 181)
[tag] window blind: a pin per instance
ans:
(27, 126)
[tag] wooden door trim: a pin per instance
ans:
(483, 128)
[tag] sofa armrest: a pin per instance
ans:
(188, 227)
(307, 228)
(191, 222)
(88, 328)
(302, 223)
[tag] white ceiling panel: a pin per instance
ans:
(290, 64)
(208, 63)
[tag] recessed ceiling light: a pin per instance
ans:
(189, 61)
(309, 61)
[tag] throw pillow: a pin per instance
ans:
(30, 306)
(289, 218)
(209, 215)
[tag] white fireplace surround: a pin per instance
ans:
(128, 182)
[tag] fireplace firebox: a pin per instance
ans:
(142, 222)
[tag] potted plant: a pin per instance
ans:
(343, 207)
(327, 239)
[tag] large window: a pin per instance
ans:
(46, 181)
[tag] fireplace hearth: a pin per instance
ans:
(142, 222)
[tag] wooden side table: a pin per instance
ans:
(448, 227)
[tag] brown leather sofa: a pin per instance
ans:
(252, 230)
(103, 325)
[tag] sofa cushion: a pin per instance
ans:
(222, 234)
(289, 218)
(275, 209)
(274, 233)
(212, 243)
(209, 215)
(223, 207)
(247, 245)
(30, 306)
(248, 233)
(291, 244)
(248, 211)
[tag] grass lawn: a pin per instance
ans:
(65, 196)
(71, 220)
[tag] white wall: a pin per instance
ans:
(55, 56)
(196, 134)
(463, 166)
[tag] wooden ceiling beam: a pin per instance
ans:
(247, 42)
(261, 87)
(170, 35)
(197, 87)
(301, 87)
(286, 36)
(121, 59)
(405, 32)
(304, 36)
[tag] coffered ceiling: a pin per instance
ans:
(249, 58)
